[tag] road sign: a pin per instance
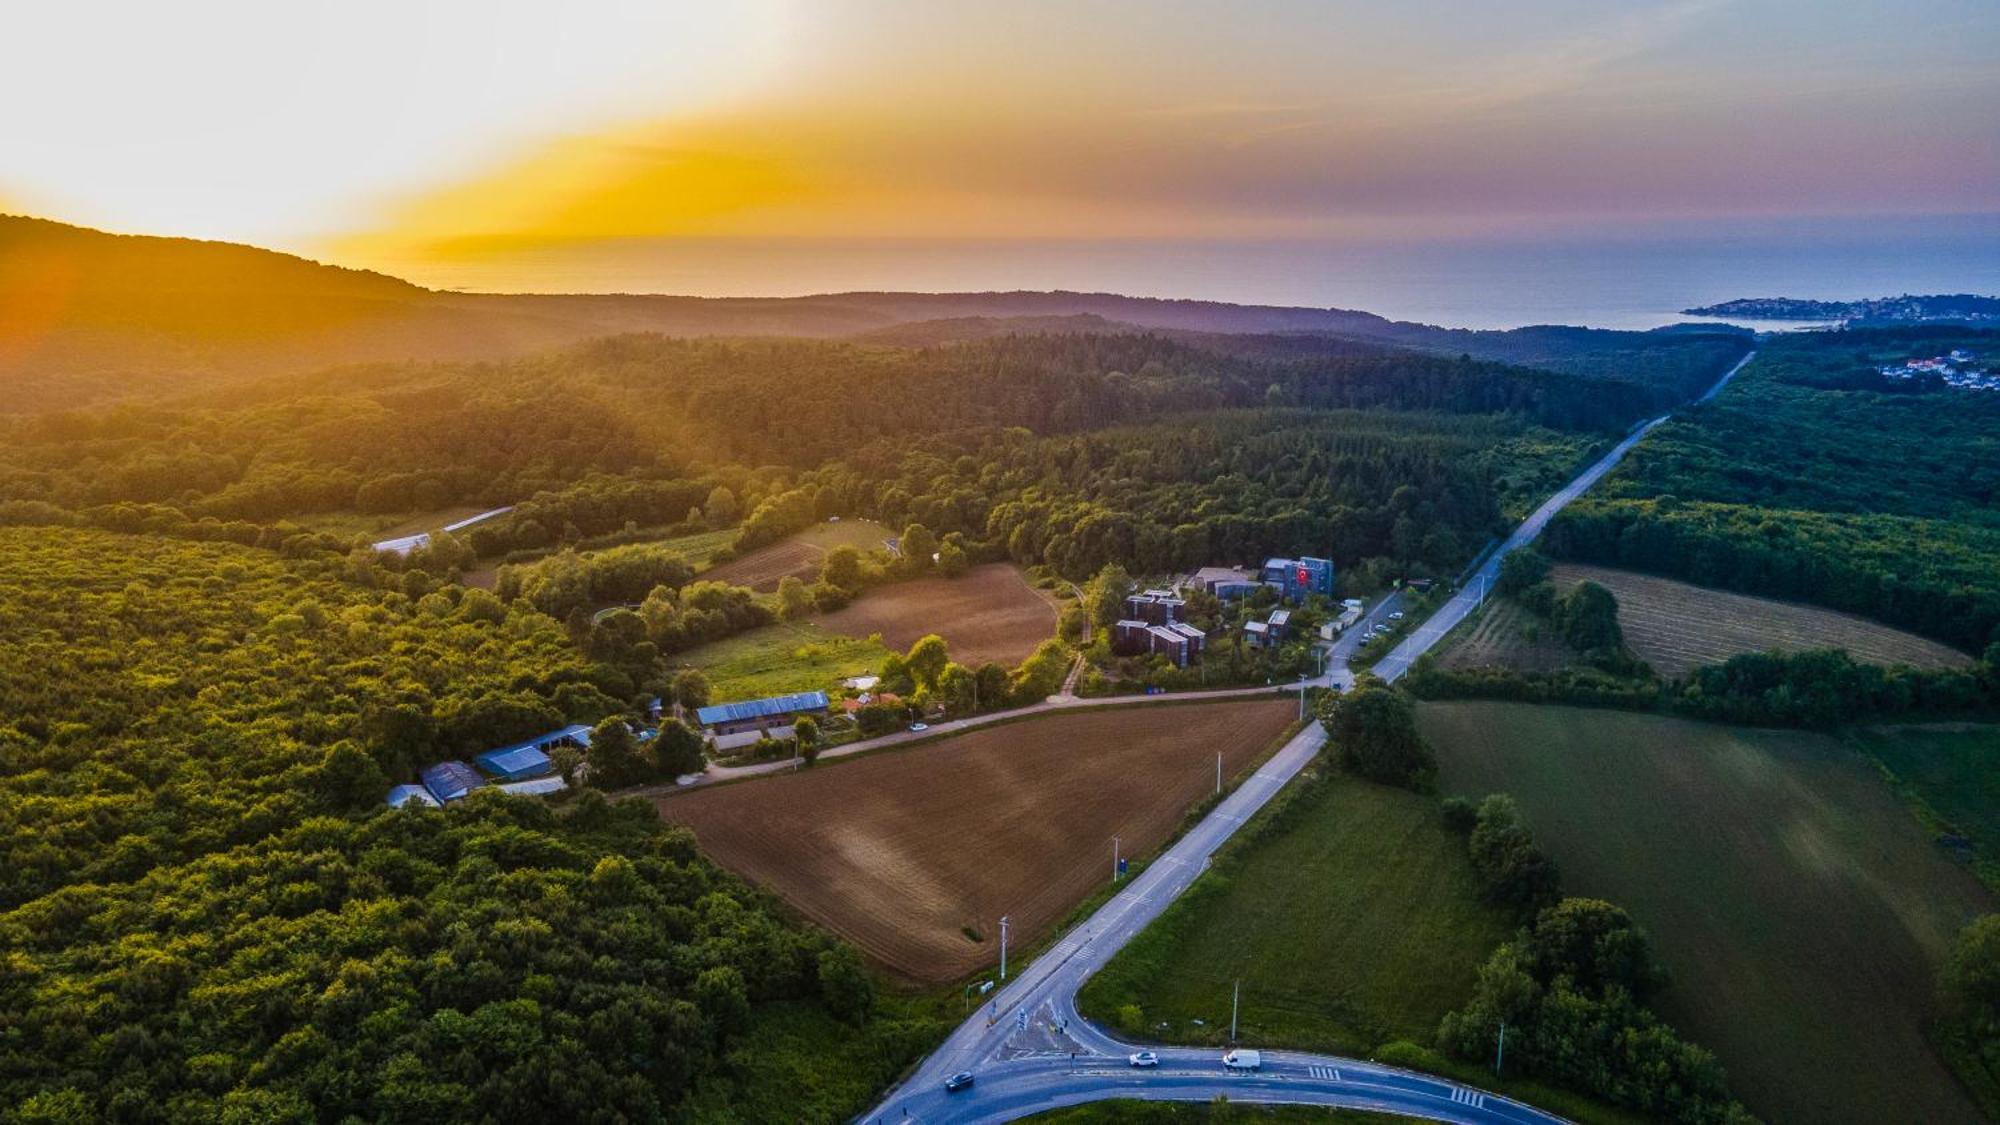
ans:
(985, 987)
(1123, 864)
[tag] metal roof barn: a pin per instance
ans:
(449, 781)
(530, 759)
(404, 794)
(761, 708)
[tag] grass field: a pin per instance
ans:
(988, 613)
(376, 527)
(1800, 907)
(1507, 636)
(798, 556)
(903, 852)
(1352, 922)
(1952, 772)
(1677, 627)
(782, 658)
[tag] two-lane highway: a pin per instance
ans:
(1028, 1048)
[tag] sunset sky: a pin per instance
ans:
(409, 135)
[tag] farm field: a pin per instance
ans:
(988, 613)
(1800, 907)
(902, 852)
(1954, 770)
(379, 527)
(1352, 920)
(1505, 635)
(798, 556)
(782, 658)
(1677, 627)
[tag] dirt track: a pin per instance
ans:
(900, 852)
(988, 613)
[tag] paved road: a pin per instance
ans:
(1031, 1050)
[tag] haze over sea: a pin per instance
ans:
(1623, 277)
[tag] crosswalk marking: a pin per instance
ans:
(1324, 1072)
(1463, 1096)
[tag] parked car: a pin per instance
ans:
(920, 726)
(963, 1080)
(1396, 616)
(1145, 1058)
(1242, 1059)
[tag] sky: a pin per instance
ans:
(437, 138)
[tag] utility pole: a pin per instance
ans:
(1003, 947)
(1234, 995)
(1501, 1051)
(1302, 697)
(1114, 859)
(1218, 773)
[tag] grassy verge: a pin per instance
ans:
(1203, 1113)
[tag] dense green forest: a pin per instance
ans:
(209, 913)
(1813, 478)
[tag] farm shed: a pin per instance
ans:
(404, 794)
(755, 714)
(449, 781)
(531, 758)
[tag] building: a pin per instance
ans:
(760, 714)
(1178, 641)
(528, 759)
(535, 787)
(1156, 607)
(1270, 632)
(405, 794)
(450, 781)
(1227, 583)
(1297, 579)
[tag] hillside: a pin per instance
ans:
(92, 317)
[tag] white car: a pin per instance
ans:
(1144, 1059)
(920, 727)
(1242, 1059)
(1396, 616)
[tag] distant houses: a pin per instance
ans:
(1294, 579)
(1270, 632)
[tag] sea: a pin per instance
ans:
(1633, 276)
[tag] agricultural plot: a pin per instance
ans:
(1352, 921)
(1800, 907)
(1677, 627)
(915, 855)
(799, 556)
(1504, 635)
(782, 658)
(988, 613)
(1953, 771)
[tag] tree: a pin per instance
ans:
(721, 508)
(1588, 615)
(844, 984)
(1513, 868)
(691, 689)
(1520, 569)
(952, 562)
(350, 779)
(917, 545)
(805, 733)
(1969, 990)
(926, 660)
(841, 569)
(1374, 731)
(679, 749)
(616, 758)
(795, 599)
(1104, 595)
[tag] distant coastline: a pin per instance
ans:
(1954, 308)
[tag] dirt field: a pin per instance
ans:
(1677, 627)
(1800, 907)
(901, 852)
(1507, 636)
(990, 613)
(798, 556)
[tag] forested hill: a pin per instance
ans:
(379, 438)
(89, 317)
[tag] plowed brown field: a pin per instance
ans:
(798, 556)
(901, 852)
(1677, 627)
(988, 613)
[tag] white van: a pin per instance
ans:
(1243, 1060)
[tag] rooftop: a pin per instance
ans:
(761, 708)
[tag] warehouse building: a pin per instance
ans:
(760, 714)
(528, 759)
